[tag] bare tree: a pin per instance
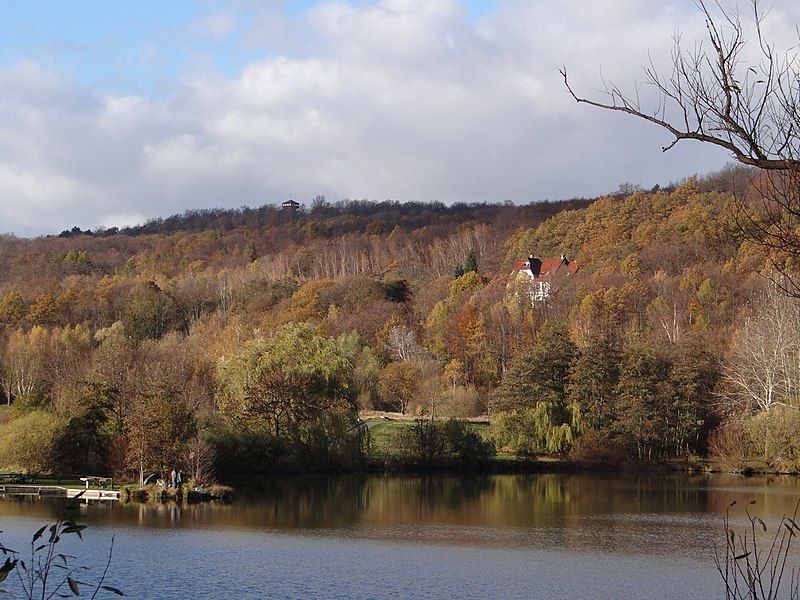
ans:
(714, 96)
(763, 368)
(402, 343)
(748, 103)
(198, 460)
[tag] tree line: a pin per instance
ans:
(257, 347)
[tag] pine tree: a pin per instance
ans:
(540, 372)
(250, 252)
(693, 374)
(643, 395)
(593, 382)
(471, 264)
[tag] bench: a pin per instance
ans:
(103, 482)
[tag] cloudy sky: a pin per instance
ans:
(114, 112)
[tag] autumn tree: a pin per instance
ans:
(293, 385)
(467, 344)
(397, 385)
(24, 360)
(716, 95)
(12, 308)
(43, 311)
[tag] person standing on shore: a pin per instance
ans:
(172, 477)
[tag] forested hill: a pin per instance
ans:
(338, 218)
(230, 238)
(168, 340)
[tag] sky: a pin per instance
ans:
(113, 112)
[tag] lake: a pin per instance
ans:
(422, 536)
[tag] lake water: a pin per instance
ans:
(431, 536)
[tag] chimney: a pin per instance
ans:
(535, 265)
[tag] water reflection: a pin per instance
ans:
(434, 536)
(572, 511)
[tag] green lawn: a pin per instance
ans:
(386, 437)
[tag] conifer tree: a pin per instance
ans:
(643, 394)
(593, 381)
(471, 264)
(540, 372)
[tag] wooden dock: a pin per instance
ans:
(19, 489)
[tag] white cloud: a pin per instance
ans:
(399, 99)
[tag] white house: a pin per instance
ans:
(537, 276)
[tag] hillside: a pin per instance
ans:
(156, 340)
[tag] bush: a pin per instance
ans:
(28, 443)
(424, 442)
(460, 402)
(730, 447)
(597, 451)
(773, 435)
(243, 452)
(466, 445)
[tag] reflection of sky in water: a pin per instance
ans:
(533, 536)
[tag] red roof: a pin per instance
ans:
(549, 267)
(520, 264)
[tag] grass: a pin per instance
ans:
(386, 437)
(157, 493)
(386, 446)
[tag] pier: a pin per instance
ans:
(19, 489)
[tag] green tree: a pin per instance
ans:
(84, 445)
(539, 373)
(644, 395)
(533, 414)
(544, 429)
(471, 264)
(693, 375)
(250, 252)
(593, 382)
(158, 428)
(294, 386)
(149, 313)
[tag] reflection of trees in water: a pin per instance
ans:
(307, 501)
(566, 510)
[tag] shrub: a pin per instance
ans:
(244, 452)
(730, 447)
(466, 445)
(28, 443)
(773, 435)
(597, 451)
(460, 401)
(424, 442)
